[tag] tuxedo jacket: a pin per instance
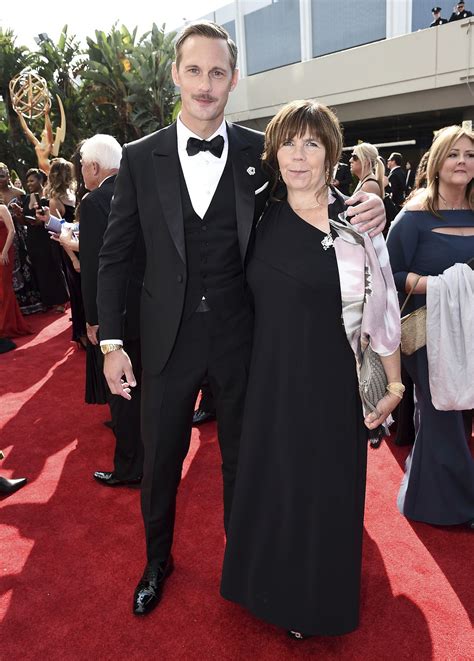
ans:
(396, 180)
(94, 214)
(147, 197)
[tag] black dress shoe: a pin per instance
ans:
(469, 525)
(110, 480)
(10, 486)
(148, 591)
(200, 416)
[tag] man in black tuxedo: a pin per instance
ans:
(196, 188)
(100, 158)
(459, 12)
(396, 179)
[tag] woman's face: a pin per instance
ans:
(458, 168)
(356, 165)
(33, 184)
(4, 177)
(302, 163)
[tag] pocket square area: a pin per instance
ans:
(259, 190)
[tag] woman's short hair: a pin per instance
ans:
(295, 119)
(209, 30)
(439, 150)
(35, 172)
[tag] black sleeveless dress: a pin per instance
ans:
(293, 555)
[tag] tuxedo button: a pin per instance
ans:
(204, 228)
(180, 278)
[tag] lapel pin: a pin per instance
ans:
(251, 170)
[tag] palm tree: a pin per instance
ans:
(106, 82)
(152, 92)
(16, 152)
(61, 65)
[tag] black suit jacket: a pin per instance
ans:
(344, 177)
(459, 17)
(396, 180)
(94, 214)
(147, 196)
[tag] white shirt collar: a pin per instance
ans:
(184, 134)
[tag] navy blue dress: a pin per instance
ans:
(438, 486)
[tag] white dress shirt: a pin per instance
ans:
(202, 171)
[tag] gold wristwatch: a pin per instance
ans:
(108, 348)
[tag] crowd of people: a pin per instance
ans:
(253, 273)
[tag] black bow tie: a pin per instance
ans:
(215, 146)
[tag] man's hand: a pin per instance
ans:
(116, 365)
(369, 215)
(92, 333)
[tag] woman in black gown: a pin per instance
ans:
(62, 202)
(293, 553)
(44, 255)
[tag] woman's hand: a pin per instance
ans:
(383, 409)
(4, 259)
(16, 210)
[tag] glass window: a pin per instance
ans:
(346, 23)
(272, 36)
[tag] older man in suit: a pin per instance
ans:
(100, 156)
(196, 189)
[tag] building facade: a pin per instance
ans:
(390, 78)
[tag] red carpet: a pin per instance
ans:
(71, 551)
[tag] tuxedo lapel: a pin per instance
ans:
(243, 162)
(166, 164)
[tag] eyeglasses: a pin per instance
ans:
(354, 157)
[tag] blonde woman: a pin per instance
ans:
(434, 231)
(368, 167)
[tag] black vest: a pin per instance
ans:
(212, 250)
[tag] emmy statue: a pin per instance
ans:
(30, 100)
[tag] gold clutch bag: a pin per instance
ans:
(413, 331)
(413, 327)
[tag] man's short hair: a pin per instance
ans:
(397, 157)
(102, 149)
(209, 30)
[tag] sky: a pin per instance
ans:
(29, 18)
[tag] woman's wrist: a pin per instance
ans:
(396, 388)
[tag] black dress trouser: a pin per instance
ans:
(128, 455)
(206, 345)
